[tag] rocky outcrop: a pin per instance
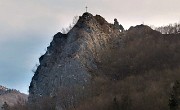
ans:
(70, 57)
(116, 24)
(11, 96)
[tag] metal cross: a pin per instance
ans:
(86, 8)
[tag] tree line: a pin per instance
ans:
(169, 29)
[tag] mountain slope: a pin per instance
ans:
(11, 96)
(96, 61)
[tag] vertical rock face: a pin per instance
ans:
(70, 57)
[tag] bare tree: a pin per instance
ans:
(71, 25)
(169, 29)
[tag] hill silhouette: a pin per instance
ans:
(11, 97)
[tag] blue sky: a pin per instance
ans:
(27, 27)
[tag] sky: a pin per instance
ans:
(27, 27)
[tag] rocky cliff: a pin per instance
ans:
(70, 57)
(123, 60)
(11, 96)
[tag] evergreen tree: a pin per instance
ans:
(174, 98)
(5, 106)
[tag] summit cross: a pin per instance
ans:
(86, 8)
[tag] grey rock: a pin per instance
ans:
(71, 56)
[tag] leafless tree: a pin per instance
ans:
(71, 25)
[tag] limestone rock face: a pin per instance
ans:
(70, 57)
